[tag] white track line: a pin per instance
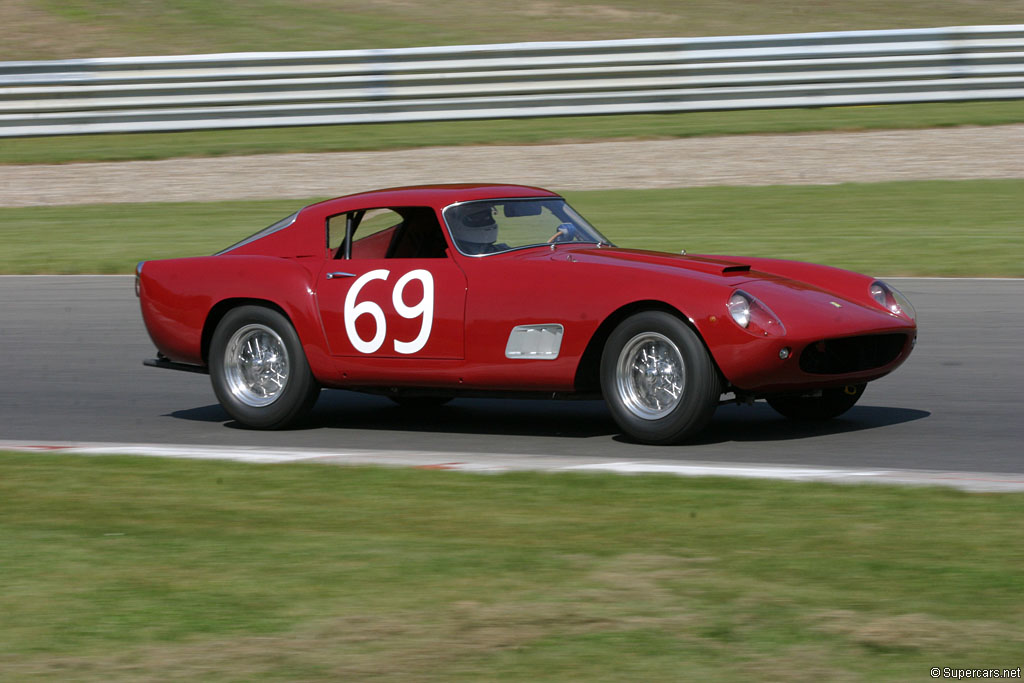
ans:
(496, 463)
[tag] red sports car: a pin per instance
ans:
(423, 294)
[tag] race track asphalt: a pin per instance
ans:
(72, 350)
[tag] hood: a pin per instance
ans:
(808, 309)
(735, 271)
(830, 302)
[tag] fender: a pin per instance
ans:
(184, 298)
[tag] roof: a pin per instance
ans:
(432, 195)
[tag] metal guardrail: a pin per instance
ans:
(261, 89)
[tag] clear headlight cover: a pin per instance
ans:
(751, 314)
(892, 300)
(739, 309)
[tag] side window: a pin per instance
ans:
(401, 232)
(336, 233)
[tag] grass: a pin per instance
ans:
(140, 146)
(940, 228)
(112, 238)
(902, 228)
(51, 29)
(141, 569)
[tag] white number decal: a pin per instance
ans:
(353, 311)
(425, 308)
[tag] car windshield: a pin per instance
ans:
(493, 226)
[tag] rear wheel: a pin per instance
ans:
(259, 370)
(824, 406)
(658, 379)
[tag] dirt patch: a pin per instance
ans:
(32, 32)
(804, 159)
(909, 632)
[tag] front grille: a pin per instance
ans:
(851, 354)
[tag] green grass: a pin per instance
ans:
(902, 228)
(142, 569)
(50, 29)
(138, 146)
(113, 238)
(942, 228)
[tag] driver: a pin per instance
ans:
(475, 230)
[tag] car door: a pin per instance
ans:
(390, 288)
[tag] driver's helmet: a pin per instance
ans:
(475, 225)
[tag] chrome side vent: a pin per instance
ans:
(534, 342)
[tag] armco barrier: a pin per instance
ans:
(257, 89)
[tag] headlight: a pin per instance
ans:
(739, 309)
(749, 313)
(891, 299)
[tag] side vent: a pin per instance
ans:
(534, 342)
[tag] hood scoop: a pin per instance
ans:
(711, 266)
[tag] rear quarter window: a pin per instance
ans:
(269, 230)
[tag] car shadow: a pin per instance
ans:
(337, 409)
(759, 422)
(211, 413)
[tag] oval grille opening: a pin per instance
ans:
(851, 354)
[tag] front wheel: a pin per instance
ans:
(658, 379)
(259, 370)
(824, 406)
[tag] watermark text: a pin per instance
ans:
(960, 674)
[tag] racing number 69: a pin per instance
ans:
(424, 308)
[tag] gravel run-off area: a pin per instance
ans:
(799, 159)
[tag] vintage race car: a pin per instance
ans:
(423, 294)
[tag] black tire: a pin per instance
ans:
(831, 403)
(258, 369)
(652, 406)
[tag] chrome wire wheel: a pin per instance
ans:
(258, 369)
(256, 365)
(650, 375)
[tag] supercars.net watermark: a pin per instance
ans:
(960, 674)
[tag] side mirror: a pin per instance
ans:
(518, 209)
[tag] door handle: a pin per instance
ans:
(332, 276)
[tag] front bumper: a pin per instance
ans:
(788, 364)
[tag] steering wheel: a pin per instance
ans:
(566, 233)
